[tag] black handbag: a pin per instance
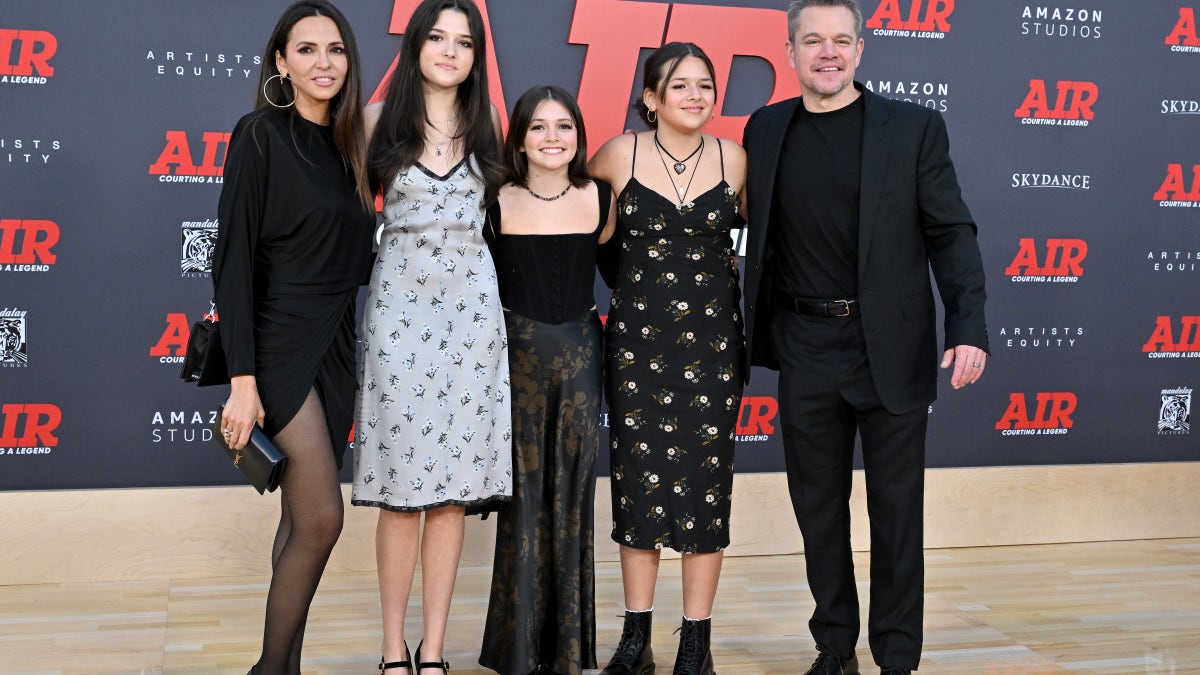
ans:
(260, 461)
(204, 358)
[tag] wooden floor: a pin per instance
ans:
(1115, 607)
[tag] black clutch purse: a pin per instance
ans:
(260, 460)
(204, 358)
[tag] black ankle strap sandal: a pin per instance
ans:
(443, 665)
(406, 663)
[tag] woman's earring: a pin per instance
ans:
(651, 116)
(268, 98)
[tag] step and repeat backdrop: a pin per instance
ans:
(1075, 128)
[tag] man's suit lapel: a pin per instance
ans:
(770, 145)
(876, 146)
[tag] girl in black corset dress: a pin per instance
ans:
(543, 228)
(674, 351)
(294, 245)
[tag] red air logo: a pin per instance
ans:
(184, 162)
(1179, 190)
(1061, 263)
(1051, 414)
(28, 428)
(923, 18)
(1182, 37)
(27, 245)
(616, 31)
(173, 342)
(1167, 343)
(1072, 106)
(756, 418)
(25, 56)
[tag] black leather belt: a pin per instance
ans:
(827, 308)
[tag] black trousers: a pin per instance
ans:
(826, 395)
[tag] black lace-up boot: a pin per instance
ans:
(633, 655)
(694, 656)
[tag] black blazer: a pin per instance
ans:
(912, 218)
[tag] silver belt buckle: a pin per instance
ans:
(845, 305)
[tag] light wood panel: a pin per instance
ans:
(111, 535)
(1087, 608)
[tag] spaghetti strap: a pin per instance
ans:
(722, 151)
(633, 164)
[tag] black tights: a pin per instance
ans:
(309, 525)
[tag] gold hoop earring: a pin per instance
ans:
(268, 98)
(651, 117)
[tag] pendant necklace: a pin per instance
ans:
(680, 164)
(446, 138)
(682, 192)
(544, 197)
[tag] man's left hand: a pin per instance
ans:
(968, 363)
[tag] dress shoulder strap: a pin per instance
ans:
(721, 150)
(633, 164)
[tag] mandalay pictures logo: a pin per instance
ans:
(1061, 263)
(198, 240)
(1183, 36)
(1175, 411)
(1057, 22)
(1071, 106)
(27, 245)
(28, 428)
(920, 19)
(14, 345)
(192, 160)
(25, 56)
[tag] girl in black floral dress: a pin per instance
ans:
(543, 230)
(674, 353)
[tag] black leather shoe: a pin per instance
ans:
(895, 671)
(634, 655)
(830, 664)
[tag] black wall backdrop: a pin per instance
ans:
(1075, 128)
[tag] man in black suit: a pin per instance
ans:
(852, 200)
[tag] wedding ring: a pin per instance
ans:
(975, 365)
(226, 432)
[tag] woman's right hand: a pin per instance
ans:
(242, 411)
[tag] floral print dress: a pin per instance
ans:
(674, 360)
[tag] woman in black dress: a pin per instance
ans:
(294, 245)
(674, 352)
(543, 229)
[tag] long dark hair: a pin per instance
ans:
(399, 137)
(345, 108)
(516, 163)
(659, 68)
